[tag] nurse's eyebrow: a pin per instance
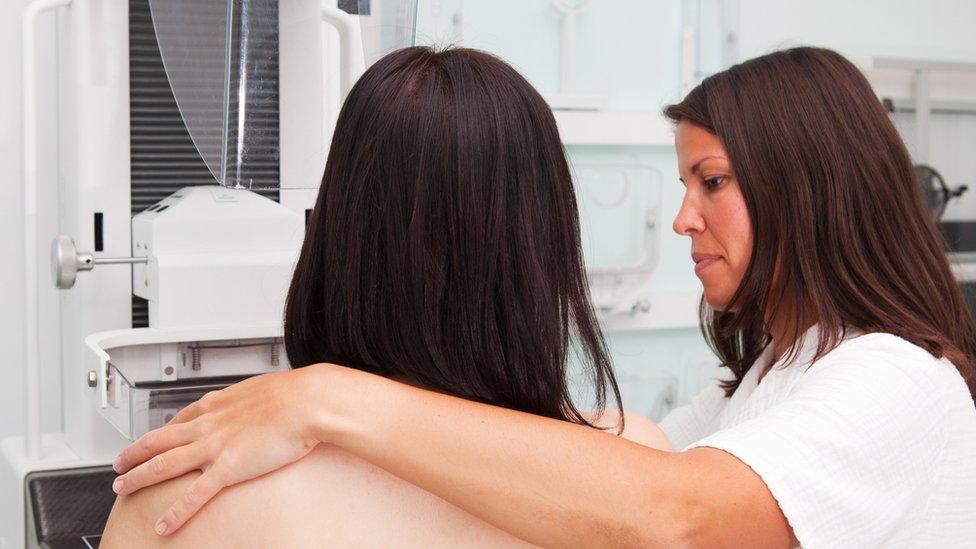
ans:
(697, 165)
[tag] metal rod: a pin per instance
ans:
(120, 260)
(921, 64)
(923, 112)
(937, 107)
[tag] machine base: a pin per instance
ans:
(57, 501)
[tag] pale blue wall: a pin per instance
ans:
(924, 29)
(629, 50)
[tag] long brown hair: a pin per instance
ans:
(835, 209)
(444, 246)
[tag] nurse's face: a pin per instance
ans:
(713, 213)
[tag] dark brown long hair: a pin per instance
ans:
(444, 246)
(835, 210)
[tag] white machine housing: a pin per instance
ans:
(218, 266)
(103, 365)
(216, 257)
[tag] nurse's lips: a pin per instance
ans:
(702, 261)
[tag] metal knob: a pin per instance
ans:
(66, 261)
(92, 378)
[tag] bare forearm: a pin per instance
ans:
(549, 482)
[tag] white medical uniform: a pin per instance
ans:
(873, 445)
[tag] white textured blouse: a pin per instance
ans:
(873, 445)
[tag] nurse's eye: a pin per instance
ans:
(713, 183)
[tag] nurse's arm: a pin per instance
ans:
(546, 481)
(549, 482)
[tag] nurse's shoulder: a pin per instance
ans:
(894, 376)
(884, 356)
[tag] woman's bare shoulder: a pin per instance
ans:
(244, 515)
(327, 495)
(637, 428)
(644, 431)
(251, 514)
(133, 517)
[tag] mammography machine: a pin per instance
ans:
(158, 101)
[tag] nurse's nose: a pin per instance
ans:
(689, 220)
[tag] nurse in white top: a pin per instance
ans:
(843, 416)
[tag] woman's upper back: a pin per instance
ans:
(873, 444)
(328, 498)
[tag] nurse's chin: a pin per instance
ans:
(718, 301)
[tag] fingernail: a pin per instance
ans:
(160, 527)
(117, 485)
(117, 464)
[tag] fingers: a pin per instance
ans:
(194, 409)
(199, 493)
(188, 412)
(154, 443)
(164, 466)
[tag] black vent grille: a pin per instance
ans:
(163, 156)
